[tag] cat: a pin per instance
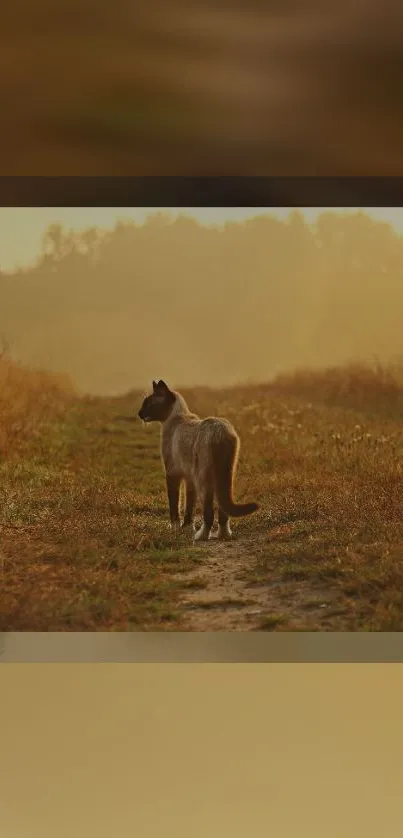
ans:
(201, 452)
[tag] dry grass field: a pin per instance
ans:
(84, 536)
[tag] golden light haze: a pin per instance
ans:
(208, 751)
(200, 304)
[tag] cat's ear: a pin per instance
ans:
(162, 386)
(155, 386)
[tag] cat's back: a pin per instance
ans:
(215, 429)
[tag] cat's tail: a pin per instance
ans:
(225, 454)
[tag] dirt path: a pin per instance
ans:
(230, 599)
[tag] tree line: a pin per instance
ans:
(201, 304)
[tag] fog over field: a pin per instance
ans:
(116, 297)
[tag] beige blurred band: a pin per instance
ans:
(188, 647)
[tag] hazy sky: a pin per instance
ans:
(21, 228)
(201, 750)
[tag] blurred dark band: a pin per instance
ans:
(201, 191)
(201, 647)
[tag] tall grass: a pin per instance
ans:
(362, 385)
(28, 397)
